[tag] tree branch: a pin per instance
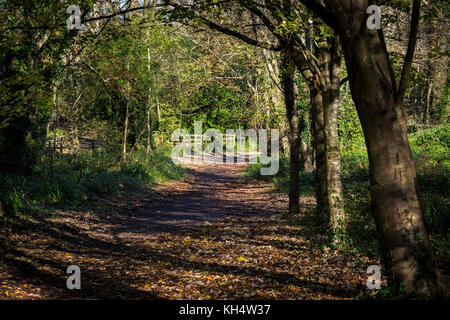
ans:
(257, 43)
(225, 30)
(253, 9)
(321, 11)
(415, 15)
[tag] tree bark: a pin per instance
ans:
(149, 104)
(318, 130)
(127, 116)
(305, 155)
(324, 86)
(287, 81)
(394, 196)
(337, 217)
(379, 102)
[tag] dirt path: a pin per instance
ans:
(214, 235)
(212, 193)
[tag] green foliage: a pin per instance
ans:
(280, 181)
(82, 177)
(391, 292)
(350, 131)
(14, 200)
(431, 152)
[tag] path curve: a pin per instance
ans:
(213, 235)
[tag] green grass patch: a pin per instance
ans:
(84, 176)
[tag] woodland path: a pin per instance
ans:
(213, 235)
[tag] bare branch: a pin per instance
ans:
(415, 15)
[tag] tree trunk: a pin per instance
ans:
(15, 155)
(337, 218)
(287, 81)
(305, 156)
(318, 126)
(127, 116)
(428, 102)
(127, 106)
(158, 111)
(324, 86)
(125, 132)
(394, 195)
(149, 104)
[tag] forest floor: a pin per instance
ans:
(212, 235)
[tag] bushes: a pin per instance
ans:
(430, 149)
(157, 166)
(280, 180)
(15, 199)
(83, 176)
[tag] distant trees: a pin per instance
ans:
(426, 99)
(137, 76)
(313, 53)
(30, 55)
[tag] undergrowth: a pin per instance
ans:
(431, 152)
(84, 176)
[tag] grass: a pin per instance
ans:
(81, 177)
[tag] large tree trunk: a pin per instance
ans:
(14, 128)
(287, 80)
(15, 154)
(337, 218)
(318, 130)
(394, 196)
(330, 204)
(325, 100)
